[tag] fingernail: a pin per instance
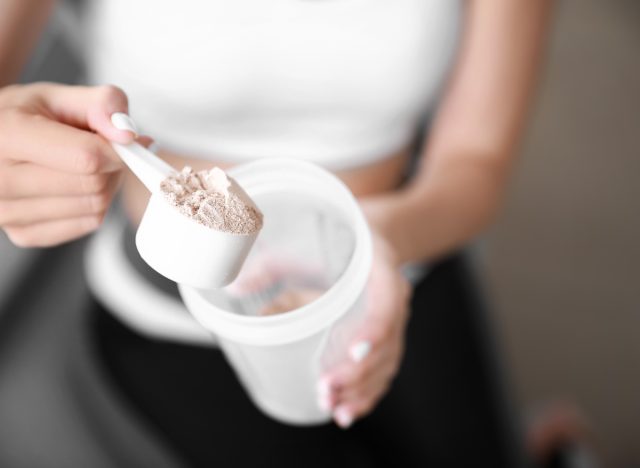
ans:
(360, 350)
(122, 121)
(343, 417)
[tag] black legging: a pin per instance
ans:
(445, 407)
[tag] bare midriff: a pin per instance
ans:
(384, 175)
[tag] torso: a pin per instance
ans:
(343, 83)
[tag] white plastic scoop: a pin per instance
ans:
(176, 246)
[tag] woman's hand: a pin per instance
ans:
(57, 176)
(352, 390)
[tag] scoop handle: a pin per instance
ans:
(149, 168)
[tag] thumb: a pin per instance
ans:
(108, 114)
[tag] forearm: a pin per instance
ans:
(428, 219)
(458, 188)
(21, 24)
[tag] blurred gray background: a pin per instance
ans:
(562, 264)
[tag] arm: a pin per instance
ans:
(454, 195)
(463, 169)
(21, 24)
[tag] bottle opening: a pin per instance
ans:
(304, 247)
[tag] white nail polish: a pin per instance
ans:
(122, 121)
(360, 350)
(343, 417)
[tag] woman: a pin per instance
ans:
(343, 83)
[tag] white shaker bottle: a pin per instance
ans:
(279, 358)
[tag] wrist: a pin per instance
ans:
(382, 216)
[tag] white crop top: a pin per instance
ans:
(337, 82)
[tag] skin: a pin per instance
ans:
(58, 174)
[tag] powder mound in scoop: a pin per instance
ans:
(211, 199)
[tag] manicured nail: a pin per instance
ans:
(343, 417)
(360, 350)
(122, 121)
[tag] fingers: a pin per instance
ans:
(23, 180)
(41, 209)
(363, 403)
(353, 388)
(353, 391)
(51, 233)
(36, 139)
(366, 387)
(47, 124)
(58, 171)
(47, 221)
(345, 380)
(351, 373)
(92, 108)
(30, 180)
